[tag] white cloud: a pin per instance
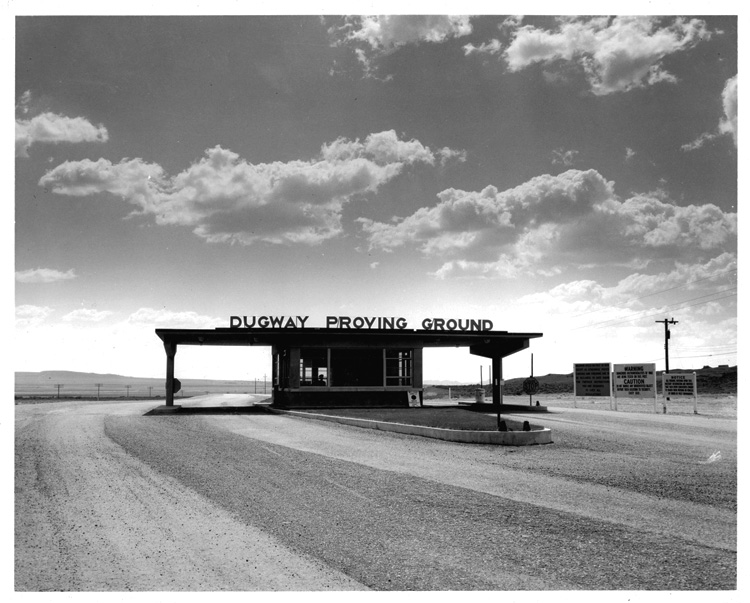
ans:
(629, 154)
(29, 316)
(168, 319)
(728, 124)
(698, 142)
(44, 275)
(372, 37)
(494, 46)
(555, 223)
(226, 199)
(51, 128)
(563, 157)
(86, 315)
(390, 32)
(23, 103)
(616, 54)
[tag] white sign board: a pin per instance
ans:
(679, 385)
(635, 380)
(592, 379)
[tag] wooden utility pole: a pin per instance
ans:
(667, 336)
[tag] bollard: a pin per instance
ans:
(503, 426)
(526, 426)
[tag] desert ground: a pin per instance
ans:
(109, 499)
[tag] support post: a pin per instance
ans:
(171, 350)
(497, 392)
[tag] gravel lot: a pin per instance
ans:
(109, 499)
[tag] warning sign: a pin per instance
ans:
(679, 385)
(635, 380)
(592, 379)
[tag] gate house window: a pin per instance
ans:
(356, 367)
(313, 363)
(398, 367)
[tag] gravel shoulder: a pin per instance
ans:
(91, 517)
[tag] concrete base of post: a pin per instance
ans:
(165, 410)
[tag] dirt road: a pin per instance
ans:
(110, 499)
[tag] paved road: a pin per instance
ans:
(110, 499)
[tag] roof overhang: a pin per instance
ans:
(482, 343)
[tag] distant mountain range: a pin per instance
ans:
(712, 377)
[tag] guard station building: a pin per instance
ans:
(359, 362)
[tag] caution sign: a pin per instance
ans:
(679, 385)
(635, 380)
(592, 379)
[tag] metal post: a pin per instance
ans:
(695, 394)
(98, 386)
(171, 350)
(532, 374)
(497, 394)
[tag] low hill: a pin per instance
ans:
(79, 384)
(710, 380)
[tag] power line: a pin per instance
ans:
(706, 355)
(638, 315)
(655, 293)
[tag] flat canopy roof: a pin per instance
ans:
(482, 343)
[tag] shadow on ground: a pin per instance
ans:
(209, 410)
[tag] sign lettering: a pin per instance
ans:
(592, 379)
(635, 380)
(359, 322)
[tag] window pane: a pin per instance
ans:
(356, 367)
(313, 366)
(398, 367)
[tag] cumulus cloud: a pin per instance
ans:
(51, 128)
(727, 124)
(226, 199)
(31, 316)
(86, 315)
(494, 46)
(554, 223)
(44, 275)
(170, 319)
(616, 54)
(629, 154)
(392, 31)
(372, 37)
(637, 295)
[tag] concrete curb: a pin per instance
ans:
(501, 438)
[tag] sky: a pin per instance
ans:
(571, 176)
